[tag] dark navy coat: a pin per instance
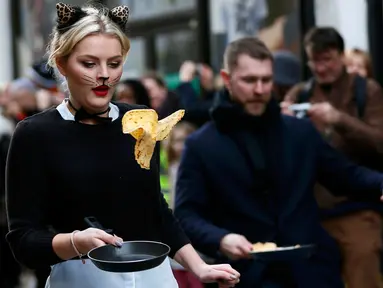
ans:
(215, 195)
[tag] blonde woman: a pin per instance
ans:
(359, 62)
(73, 161)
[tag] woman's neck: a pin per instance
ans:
(73, 108)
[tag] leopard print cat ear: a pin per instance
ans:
(120, 16)
(67, 15)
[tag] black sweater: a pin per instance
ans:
(60, 171)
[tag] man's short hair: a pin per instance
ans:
(321, 39)
(250, 46)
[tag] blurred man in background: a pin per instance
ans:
(348, 110)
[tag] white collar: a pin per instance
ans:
(67, 115)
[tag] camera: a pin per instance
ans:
(300, 109)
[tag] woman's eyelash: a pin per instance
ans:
(114, 64)
(88, 64)
(91, 65)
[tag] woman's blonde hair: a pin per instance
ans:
(366, 59)
(96, 21)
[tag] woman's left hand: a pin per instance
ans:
(223, 274)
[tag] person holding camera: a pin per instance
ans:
(348, 111)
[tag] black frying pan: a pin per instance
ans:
(133, 256)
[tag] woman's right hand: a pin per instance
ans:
(91, 238)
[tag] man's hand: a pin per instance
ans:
(236, 246)
(187, 71)
(324, 113)
(285, 108)
(324, 116)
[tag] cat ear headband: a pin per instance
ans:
(67, 15)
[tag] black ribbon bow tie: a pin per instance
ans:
(82, 115)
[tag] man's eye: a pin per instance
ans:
(249, 79)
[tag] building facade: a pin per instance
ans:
(164, 33)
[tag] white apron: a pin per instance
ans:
(75, 274)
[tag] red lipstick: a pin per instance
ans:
(101, 91)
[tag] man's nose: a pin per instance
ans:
(320, 68)
(259, 87)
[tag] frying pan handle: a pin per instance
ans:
(92, 222)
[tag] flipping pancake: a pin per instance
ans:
(144, 126)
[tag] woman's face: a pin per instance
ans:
(357, 65)
(92, 70)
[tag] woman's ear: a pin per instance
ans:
(61, 65)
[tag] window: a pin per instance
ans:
(141, 9)
(37, 18)
(135, 64)
(172, 49)
(343, 16)
(37, 21)
(274, 21)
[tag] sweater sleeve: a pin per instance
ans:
(171, 231)
(26, 187)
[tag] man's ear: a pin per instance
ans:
(61, 65)
(226, 79)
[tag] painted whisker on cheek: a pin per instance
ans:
(90, 80)
(87, 76)
(114, 81)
